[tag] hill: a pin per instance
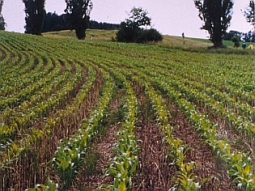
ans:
(91, 114)
(192, 44)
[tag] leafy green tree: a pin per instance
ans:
(131, 31)
(35, 12)
(249, 13)
(137, 18)
(216, 15)
(78, 15)
(2, 23)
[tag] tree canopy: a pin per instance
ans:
(78, 15)
(249, 13)
(216, 15)
(35, 12)
(131, 31)
(137, 18)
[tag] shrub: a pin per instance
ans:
(150, 35)
(126, 33)
(236, 41)
(136, 34)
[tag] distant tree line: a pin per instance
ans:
(103, 25)
(247, 37)
(55, 22)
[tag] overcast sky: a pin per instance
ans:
(168, 16)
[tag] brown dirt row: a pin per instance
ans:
(154, 172)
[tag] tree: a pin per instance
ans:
(78, 15)
(249, 13)
(249, 36)
(35, 12)
(216, 15)
(2, 23)
(138, 17)
(131, 31)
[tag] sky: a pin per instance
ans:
(172, 17)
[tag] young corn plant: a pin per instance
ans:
(50, 186)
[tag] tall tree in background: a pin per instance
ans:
(249, 13)
(2, 23)
(35, 13)
(138, 17)
(131, 29)
(216, 15)
(78, 15)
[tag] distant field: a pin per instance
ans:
(97, 114)
(173, 41)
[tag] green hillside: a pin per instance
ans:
(172, 41)
(97, 114)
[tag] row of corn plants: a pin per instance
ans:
(243, 177)
(34, 133)
(40, 110)
(239, 106)
(70, 153)
(108, 51)
(64, 117)
(238, 163)
(241, 123)
(15, 72)
(16, 118)
(124, 163)
(29, 83)
(10, 77)
(185, 179)
(35, 68)
(27, 61)
(38, 89)
(222, 73)
(235, 82)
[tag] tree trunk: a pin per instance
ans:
(218, 44)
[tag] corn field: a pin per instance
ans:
(101, 115)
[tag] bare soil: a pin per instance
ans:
(153, 172)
